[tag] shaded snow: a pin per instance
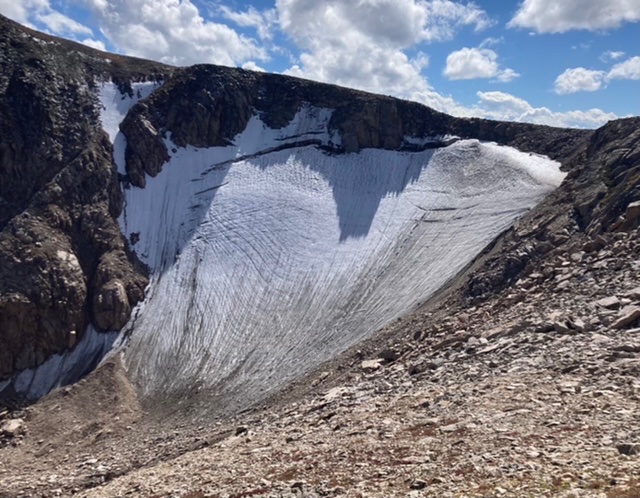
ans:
(62, 369)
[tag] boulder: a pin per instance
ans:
(12, 428)
(628, 315)
(111, 308)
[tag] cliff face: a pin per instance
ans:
(64, 263)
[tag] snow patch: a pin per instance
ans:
(266, 262)
(114, 107)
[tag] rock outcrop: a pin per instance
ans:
(598, 196)
(63, 262)
(206, 106)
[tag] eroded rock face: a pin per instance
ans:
(206, 106)
(597, 197)
(61, 248)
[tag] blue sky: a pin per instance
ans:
(569, 63)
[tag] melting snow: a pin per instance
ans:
(267, 262)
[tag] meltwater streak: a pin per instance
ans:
(267, 262)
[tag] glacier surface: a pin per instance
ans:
(272, 255)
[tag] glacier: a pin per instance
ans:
(272, 255)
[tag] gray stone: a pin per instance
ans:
(629, 449)
(610, 303)
(418, 484)
(370, 365)
(628, 315)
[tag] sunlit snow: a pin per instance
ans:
(267, 262)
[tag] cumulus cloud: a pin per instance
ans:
(507, 75)
(396, 23)
(362, 44)
(171, 31)
(627, 70)
(371, 68)
(29, 11)
(553, 16)
(97, 44)
(20, 10)
(473, 63)
(579, 79)
(59, 23)
(252, 66)
(500, 105)
(262, 22)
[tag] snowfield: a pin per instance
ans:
(266, 262)
(272, 255)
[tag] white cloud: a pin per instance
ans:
(507, 75)
(611, 55)
(252, 66)
(579, 79)
(554, 16)
(361, 44)
(30, 11)
(20, 10)
(373, 68)
(472, 63)
(627, 70)
(392, 23)
(263, 22)
(171, 31)
(59, 23)
(504, 106)
(491, 42)
(97, 44)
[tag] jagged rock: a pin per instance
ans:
(389, 355)
(59, 192)
(611, 302)
(628, 449)
(627, 316)
(371, 365)
(562, 327)
(111, 308)
(418, 484)
(630, 219)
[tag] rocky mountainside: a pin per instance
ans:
(63, 261)
(65, 264)
(519, 378)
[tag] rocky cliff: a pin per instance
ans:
(64, 263)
